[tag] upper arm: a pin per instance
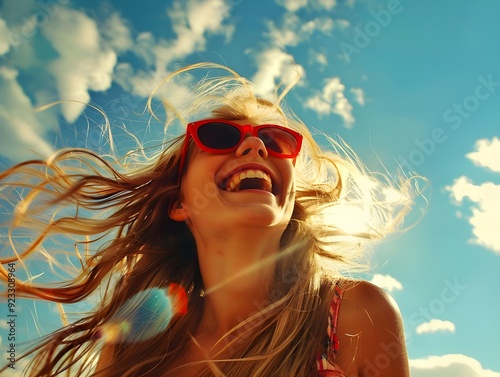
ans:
(374, 317)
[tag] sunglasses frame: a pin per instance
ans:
(192, 128)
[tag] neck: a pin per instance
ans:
(238, 271)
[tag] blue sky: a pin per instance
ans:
(414, 83)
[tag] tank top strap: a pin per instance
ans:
(333, 316)
(326, 359)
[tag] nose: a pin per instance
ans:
(252, 145)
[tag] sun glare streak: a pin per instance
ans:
(253, 268)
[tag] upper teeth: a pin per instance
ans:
(233, 183)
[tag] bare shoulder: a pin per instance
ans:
(371, 328)
(375, 302)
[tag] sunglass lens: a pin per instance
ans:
(278, 140)
(217, 135)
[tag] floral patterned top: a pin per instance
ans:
(326, 360)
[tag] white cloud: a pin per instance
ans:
(455, 365)
(275, 63)
(287, 34)
(23, 20)
(20, 10)
(144, 48)
(82, 59)
(4, 38)
(295, 30)
(22, 131)
(318, 57)
(116, 33)
(435, 325)
(387, 282)
(487, 154)
(332, 100)
(191, 21)
(359, 95)
(76, 59)
(485, 210)
(3, 324)
(295, 5)
(143, 83)
(82, 64)
(275, 67)
(318, 104)
(327, 4)
(137, 83)
(322, 24)
(292, 5)
(342, 24)
(87, 54)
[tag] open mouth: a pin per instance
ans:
(248, 179)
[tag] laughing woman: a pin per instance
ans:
(225, 253)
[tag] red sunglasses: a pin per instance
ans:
(223, 136)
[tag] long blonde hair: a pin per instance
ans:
(122, 206)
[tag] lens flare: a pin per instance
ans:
(144, 315)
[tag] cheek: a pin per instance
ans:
(289, 185)
(198, 182)
(289, 175)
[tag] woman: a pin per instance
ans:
(237, 216)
